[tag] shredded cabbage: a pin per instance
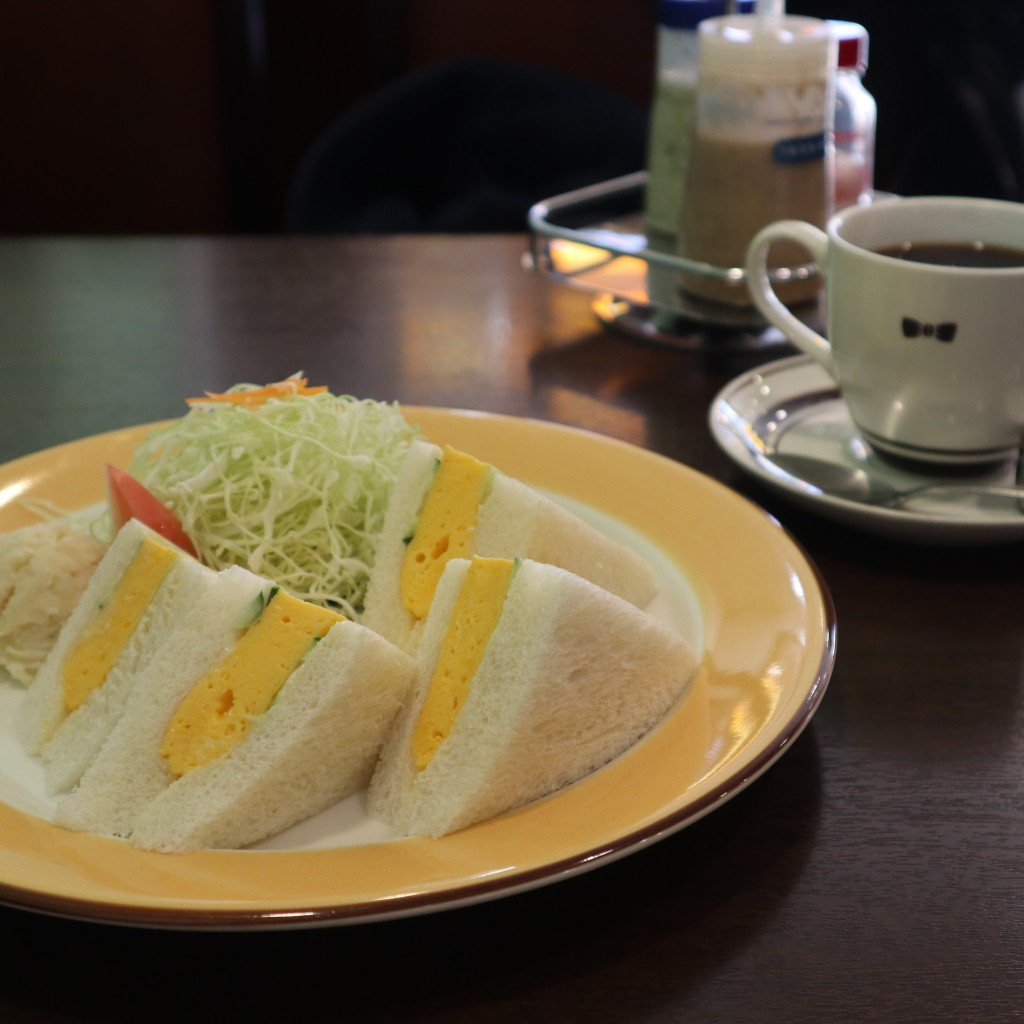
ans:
(294, 488)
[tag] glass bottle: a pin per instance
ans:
(762, 147)
(855, 118)
(671, 129)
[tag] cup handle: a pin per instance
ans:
(816, 241)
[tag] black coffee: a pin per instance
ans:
(956, 254)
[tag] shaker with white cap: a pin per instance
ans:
(762, 148)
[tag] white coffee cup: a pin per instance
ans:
(929, 358)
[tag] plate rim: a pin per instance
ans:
(473, 890)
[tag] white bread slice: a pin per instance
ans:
(42, 717)
(572, 677)
(514, 521)
(383, 610)
(128, 772)
(317, 744)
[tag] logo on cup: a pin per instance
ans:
(940, 332)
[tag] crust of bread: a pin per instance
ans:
(514, 521)
(571, 678)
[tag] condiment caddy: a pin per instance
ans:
(741, 135)
(595, 239)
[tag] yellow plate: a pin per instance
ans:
(731, 579)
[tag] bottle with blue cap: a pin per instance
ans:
(671, 128)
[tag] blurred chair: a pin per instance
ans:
(466, 146)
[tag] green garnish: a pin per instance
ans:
(294, 488)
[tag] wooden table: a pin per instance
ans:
(875, 873)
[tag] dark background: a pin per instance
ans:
(192, 116)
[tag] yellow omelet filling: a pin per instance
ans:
(217, 711)
(446, 526)
(476, 613)
(88, 665)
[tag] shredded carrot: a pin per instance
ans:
(257, 396)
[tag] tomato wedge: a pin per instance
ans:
(131, 500)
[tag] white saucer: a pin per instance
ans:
(792, 407)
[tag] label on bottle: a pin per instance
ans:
(763, 111)
(799, 150)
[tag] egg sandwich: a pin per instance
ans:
(529, 677)
(447, 504)
(262, 711)
(140, 588)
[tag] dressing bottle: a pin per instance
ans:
(671, 129)
(856, 114)
(762, 148)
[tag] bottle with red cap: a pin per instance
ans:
(855, 116)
